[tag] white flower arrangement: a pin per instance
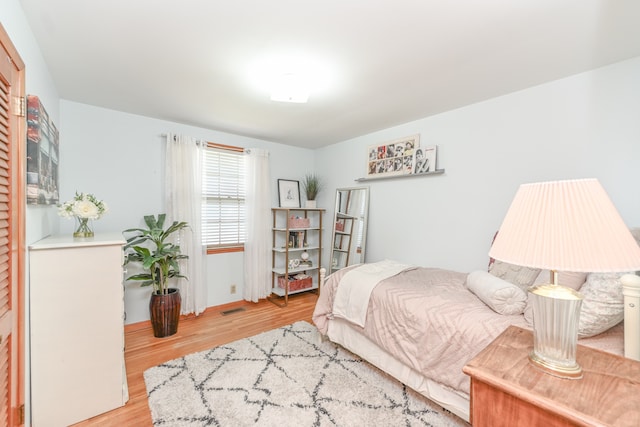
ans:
(83, 206)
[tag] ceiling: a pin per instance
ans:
(381, 62)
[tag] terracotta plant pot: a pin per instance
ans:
(164, 310)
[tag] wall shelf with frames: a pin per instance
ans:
(414, 175)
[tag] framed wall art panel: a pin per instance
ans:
(43, 148)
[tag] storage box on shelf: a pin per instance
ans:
(295, 231)
(295, 284)
(295, 222)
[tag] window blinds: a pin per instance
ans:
(223, 198)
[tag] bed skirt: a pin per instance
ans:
(341, 332)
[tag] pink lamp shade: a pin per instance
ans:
(566, 226)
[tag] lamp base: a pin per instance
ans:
(570, 372)
(556, 312)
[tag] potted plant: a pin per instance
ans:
(159, 260)
(312, 187)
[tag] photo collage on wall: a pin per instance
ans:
(402, 156)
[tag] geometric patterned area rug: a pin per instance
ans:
(284, 377)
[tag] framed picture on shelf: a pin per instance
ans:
(392, 158)
(425, 159)
(289, 193)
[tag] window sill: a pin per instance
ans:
(229, 249)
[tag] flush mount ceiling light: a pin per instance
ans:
(290, 87)
(290, 77)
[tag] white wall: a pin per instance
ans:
(40, 220)
(586, 125)
(119, 157)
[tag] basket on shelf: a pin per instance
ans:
(339, 226)
(299, 222)
(295, 284)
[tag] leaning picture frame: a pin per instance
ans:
(289, 193)
(425, 160)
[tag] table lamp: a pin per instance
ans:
(563, 226)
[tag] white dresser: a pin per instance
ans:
(76, 328)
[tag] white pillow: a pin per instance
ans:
(501, 296)
(565, 278)
(521, 276)
(602, 304)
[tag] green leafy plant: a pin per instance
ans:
(158, 257)
(312, 186)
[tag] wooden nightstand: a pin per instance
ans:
(507, 390)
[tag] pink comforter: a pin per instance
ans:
(427, 319)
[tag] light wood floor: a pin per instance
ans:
(206, 331)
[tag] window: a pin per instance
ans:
(223, 199)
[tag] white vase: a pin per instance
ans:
(310, 204)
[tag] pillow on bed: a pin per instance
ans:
(501, 296)
(602, 304)
(565, 278)
(523, 277)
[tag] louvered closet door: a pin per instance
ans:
(11, 232)
(6, 319)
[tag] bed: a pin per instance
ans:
(422, 325)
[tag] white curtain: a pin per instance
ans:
(183, 186)
(257, 247)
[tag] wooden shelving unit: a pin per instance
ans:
(289, 243)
